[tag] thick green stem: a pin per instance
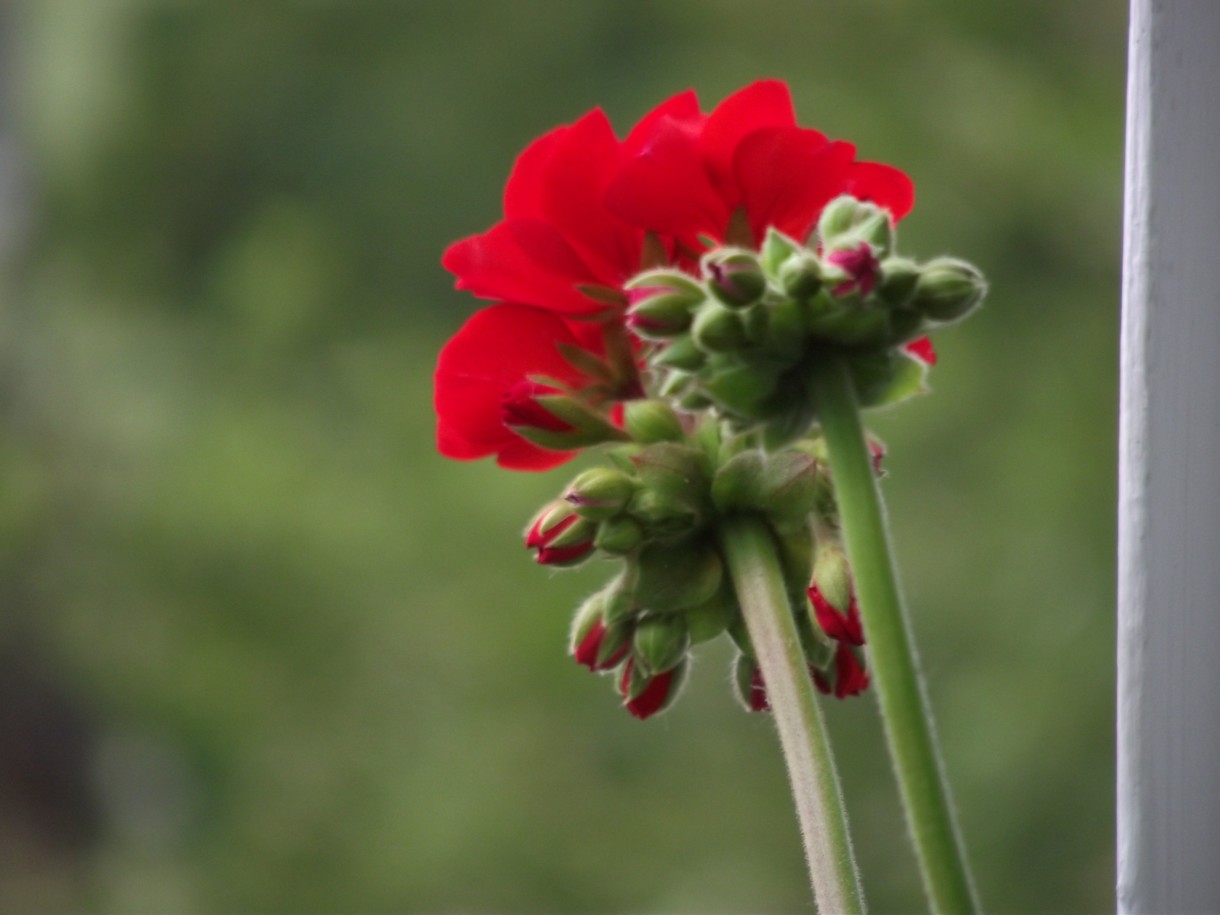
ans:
(904, 706)
(754, 565)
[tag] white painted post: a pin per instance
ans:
(1169, 467)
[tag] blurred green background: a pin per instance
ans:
(263, 650)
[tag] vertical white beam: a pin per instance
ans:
(1169, 466)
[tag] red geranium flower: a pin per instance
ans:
(740, 169)
(557, 242)
(479, 378)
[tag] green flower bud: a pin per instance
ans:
(650, 421)
(734, 276)
(619, 535)
(948, 289)
(681, 353)
(736, 484)
(744, 390)
(659, 643)
(776, 249)
(897, 282)
(847, 221)
(789, 488)
(717, 329)
(671, 579)
(662, 302)
(600, 493)
(707, 620)
(800, 276)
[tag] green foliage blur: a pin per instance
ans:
(262, 649)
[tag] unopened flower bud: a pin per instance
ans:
(776, 249)
(550, 418)
(662, 302)
(789, 488)
(646, 696)
(800, 276)
(751, 691)
(673, 578)
(735, 277)
(922, 350)
(717, 329)
(649, 421)
(659, 642)
(848, 216)
(948, 289)
(833, 596)
(736, 484)
(561, 537)
(600, 493)
(594, 643)
(846, 675)
(744, 389)
(619, 535)
(899, 277)
(709, 619)
(682, 354)
(857, 266)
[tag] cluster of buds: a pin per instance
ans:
(743, 337)
(655, 511)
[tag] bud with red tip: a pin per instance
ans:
(646, 696)
(751, 690)
(662, 302)
(857, 269)
(550, 418)
(844, 677)
(561, 537)
(600, 493)
(735, 276)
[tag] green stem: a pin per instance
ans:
(904, 705)
(752, 558)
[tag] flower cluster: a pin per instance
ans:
(667, 293)
(584, 212)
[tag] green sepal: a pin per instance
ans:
(672, 579)
(899, 276)
(789, 489)
(585, 362)
(741, 636)
(717, 329)
(777, 248)
(800, 276)
(852, 325)
(743, 389)
(620, 535)
(652, 421)
(682, 354)
(887, 377)
(736, 486)
(659, 642)
(709, 619)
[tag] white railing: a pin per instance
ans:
(1169, 466)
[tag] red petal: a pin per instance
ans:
(497, 348)
(652, 699)
(523, 260)
(884, 185)
(682, 107)
(766, 103)
(787, 175)
(560, 179)
(850, 677)
(664, 187)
